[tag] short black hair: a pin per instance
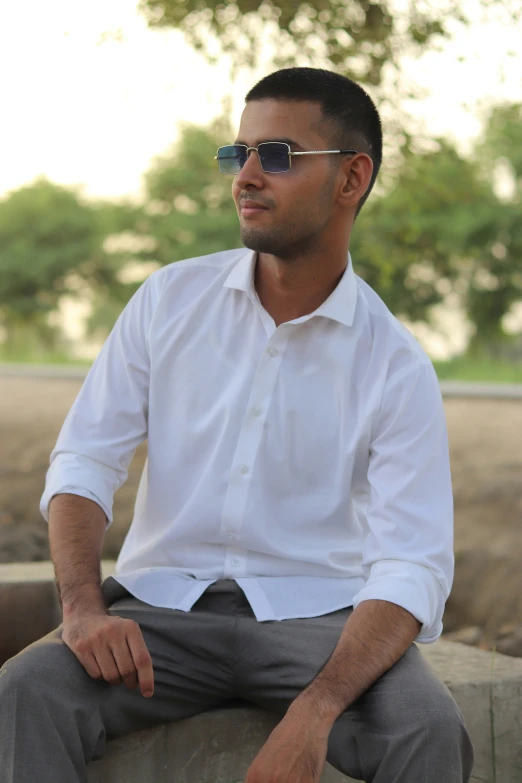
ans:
(349, 108)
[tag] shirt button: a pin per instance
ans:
(235, 562)
(257, 411)
(243, 469)
(272, 352)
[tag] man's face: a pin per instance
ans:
(299, 203)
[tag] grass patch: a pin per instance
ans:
(40, 357)
(485, 370)
(462, 368)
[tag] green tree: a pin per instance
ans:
(442, 228)
(188, 211)
(496, 283)
(48, 238)
(414, 244)
(189, 203)
(356, 38)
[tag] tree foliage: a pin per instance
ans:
(412, 244)
(441, 228)
(443, 231)
(48, 238)
(356, 38)
(189, 203)
(496, 284)
(187, 211)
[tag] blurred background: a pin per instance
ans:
(111, 116)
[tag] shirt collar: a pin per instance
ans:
(340, 305)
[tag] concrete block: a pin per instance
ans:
(487, 687)
(218, 746)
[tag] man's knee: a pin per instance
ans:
(428, 710)
(44, 667)
(411, 715)
(435, 731)
(49, 713)
(442, 721)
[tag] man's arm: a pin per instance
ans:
(108, 647)
(408, 564)
(373, 639)
(109, 417)
(408, 552)
(76, 530)
(106, 422)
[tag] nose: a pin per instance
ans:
(251, 173)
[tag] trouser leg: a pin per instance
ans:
(406, 728)
(54, 718)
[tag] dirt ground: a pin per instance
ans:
(485, 607)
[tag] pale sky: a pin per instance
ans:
(83, 110)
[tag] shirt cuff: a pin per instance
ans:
(74, 474)
(412, 586)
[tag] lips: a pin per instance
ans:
(249, 208)
(249, 204)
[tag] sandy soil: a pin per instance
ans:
(485, 607)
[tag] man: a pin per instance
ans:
(292, 534)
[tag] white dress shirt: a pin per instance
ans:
(309, 462)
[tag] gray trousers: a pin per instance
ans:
(54, 718)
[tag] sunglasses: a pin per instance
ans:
(275, 156)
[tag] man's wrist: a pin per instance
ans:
(310, 707)
(82, 603)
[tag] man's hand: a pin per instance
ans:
(111, 649)
(295, 751)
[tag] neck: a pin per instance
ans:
(289, 289)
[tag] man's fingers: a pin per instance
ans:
(107, 664)
(126, 667)
(88, 661)
(141, 658)
(113, 649)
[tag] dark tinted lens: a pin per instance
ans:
(232, 158)
(274, 157)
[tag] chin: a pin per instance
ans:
(262, 243)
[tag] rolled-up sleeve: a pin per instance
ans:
(408, 553)
(109, 417)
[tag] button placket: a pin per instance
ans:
(248, 443)
(235, 562)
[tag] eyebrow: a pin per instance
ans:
(283, 140)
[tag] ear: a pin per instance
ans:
(356, 173)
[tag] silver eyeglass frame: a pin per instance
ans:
(290, 154)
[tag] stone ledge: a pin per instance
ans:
(214, 747)
(218, 746)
